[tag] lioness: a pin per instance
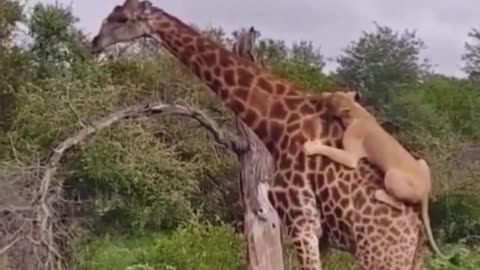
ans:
(406, 178)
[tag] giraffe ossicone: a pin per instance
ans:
(318, 201)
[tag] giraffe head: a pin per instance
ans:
(125, 23)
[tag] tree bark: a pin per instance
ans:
(261, 222)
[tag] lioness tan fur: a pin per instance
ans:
(406, 178)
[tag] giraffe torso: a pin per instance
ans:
(349, 217)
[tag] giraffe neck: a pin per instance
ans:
(245, 88)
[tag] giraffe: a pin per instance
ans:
(321, 203)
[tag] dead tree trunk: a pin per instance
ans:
(261, 222)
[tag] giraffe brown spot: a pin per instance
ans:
(301, 222)
(293, 117)
(325, 194)
(218, 72)
(200, 44)
(281, 181)
(241, 93)
(298, 180)
(344, 228)
(225, 61)
(366, 220)
(250, 118)
(210, 59)
(312, 163)
(392, 241)
(331, 220)
(327, 208)
(285, 163)
(236, 105)
(281, 198)
(306, 109)
(261, 129)
(299, 162)
(394, 231)
(207, 75)
(292, 103)
(229, 76)
(293, 127)
(356, 218)
(359, 199)
(216, 86)
(330, 176)
(294, 213)
(284, 142)
(223, 92)
(337, 211)
(196, 68)
(370, 229)
(343, 187)
(164, 25)
(385, 222)
(277, 111)
(280, 89)
(380, 210)
(264, 84)
(292, 147)
(344, 203)
(367, 210)
(381, 231)
(276, 131)
(187, 39)
(307, 194)
(335, 194)
(288, 174)
(293, 196)
(245, 77)
(347, 177)
(320, 180)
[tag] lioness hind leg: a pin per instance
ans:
(404, 187)
(382, 196)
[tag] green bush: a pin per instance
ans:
(193, 247)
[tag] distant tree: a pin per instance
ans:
(10, 13)
(306, 53)
(57, 44)
(381, 61)
(273, 50)
(472, 55)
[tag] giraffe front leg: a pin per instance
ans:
(316, 147)
(298, 211)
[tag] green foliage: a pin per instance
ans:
(57, 44)
(194, 246)
(471, 57)
(10, 13)
(381, 61)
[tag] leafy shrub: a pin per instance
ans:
(195, 246)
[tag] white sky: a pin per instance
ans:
(442, 24)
